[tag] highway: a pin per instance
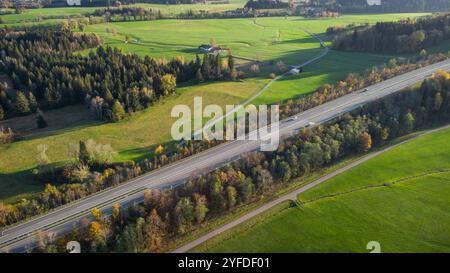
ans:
(18, 237)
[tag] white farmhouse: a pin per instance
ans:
(74, 2)
(374, 2)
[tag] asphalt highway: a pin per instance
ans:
(61, 220)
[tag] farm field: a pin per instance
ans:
(134, 138)
(402, 205)
(252, 40)
(32, 15)
(266, 39)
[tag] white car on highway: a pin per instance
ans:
(310, 124)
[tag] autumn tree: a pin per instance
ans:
(231, 197)
(168, 84)
(201, 208)
(365, 141)
(95, 229)
(116, 212)
(97, 214)
(118, 113)
(184, 215)
(155, 231)
(159, 150)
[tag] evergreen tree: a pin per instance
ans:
(198, 76)
(118, 113)
(41, 122)
(22, 104)
(84, 156)
(201, 208)
(184, 215)
(230, 62)
(32, 102)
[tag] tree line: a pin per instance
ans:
(387, 6)
(168, 215)
(45, 69)
(265, 4)
(354, 82)
(390, 6)
(406, 36)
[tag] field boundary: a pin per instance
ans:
(374, 186)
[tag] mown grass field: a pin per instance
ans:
(405, 210)
(135, 137)
(32, 15)
(266, 39)
(253, 40)
(132, 138)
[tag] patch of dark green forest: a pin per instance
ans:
(47, 73)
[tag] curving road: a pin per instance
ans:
(325, 51)
(63, 219)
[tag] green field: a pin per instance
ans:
(132, 138)
(251, 40)
(135, 137)
(35, 15)
(245, 38)
(399, 199)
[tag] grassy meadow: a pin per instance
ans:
(42, 14)
(399, 199)
(266, 39)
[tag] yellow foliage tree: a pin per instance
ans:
(159, 149)
(96, 213)
(116, 211)
(95, 229)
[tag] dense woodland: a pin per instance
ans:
(407, 36)
(390, 6)
(266, 4)
(163, 216)
(387, 6)
(47, 73)
(30, 4)
(128, 14)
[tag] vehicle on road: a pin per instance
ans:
(310, 124)
(293, 118)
